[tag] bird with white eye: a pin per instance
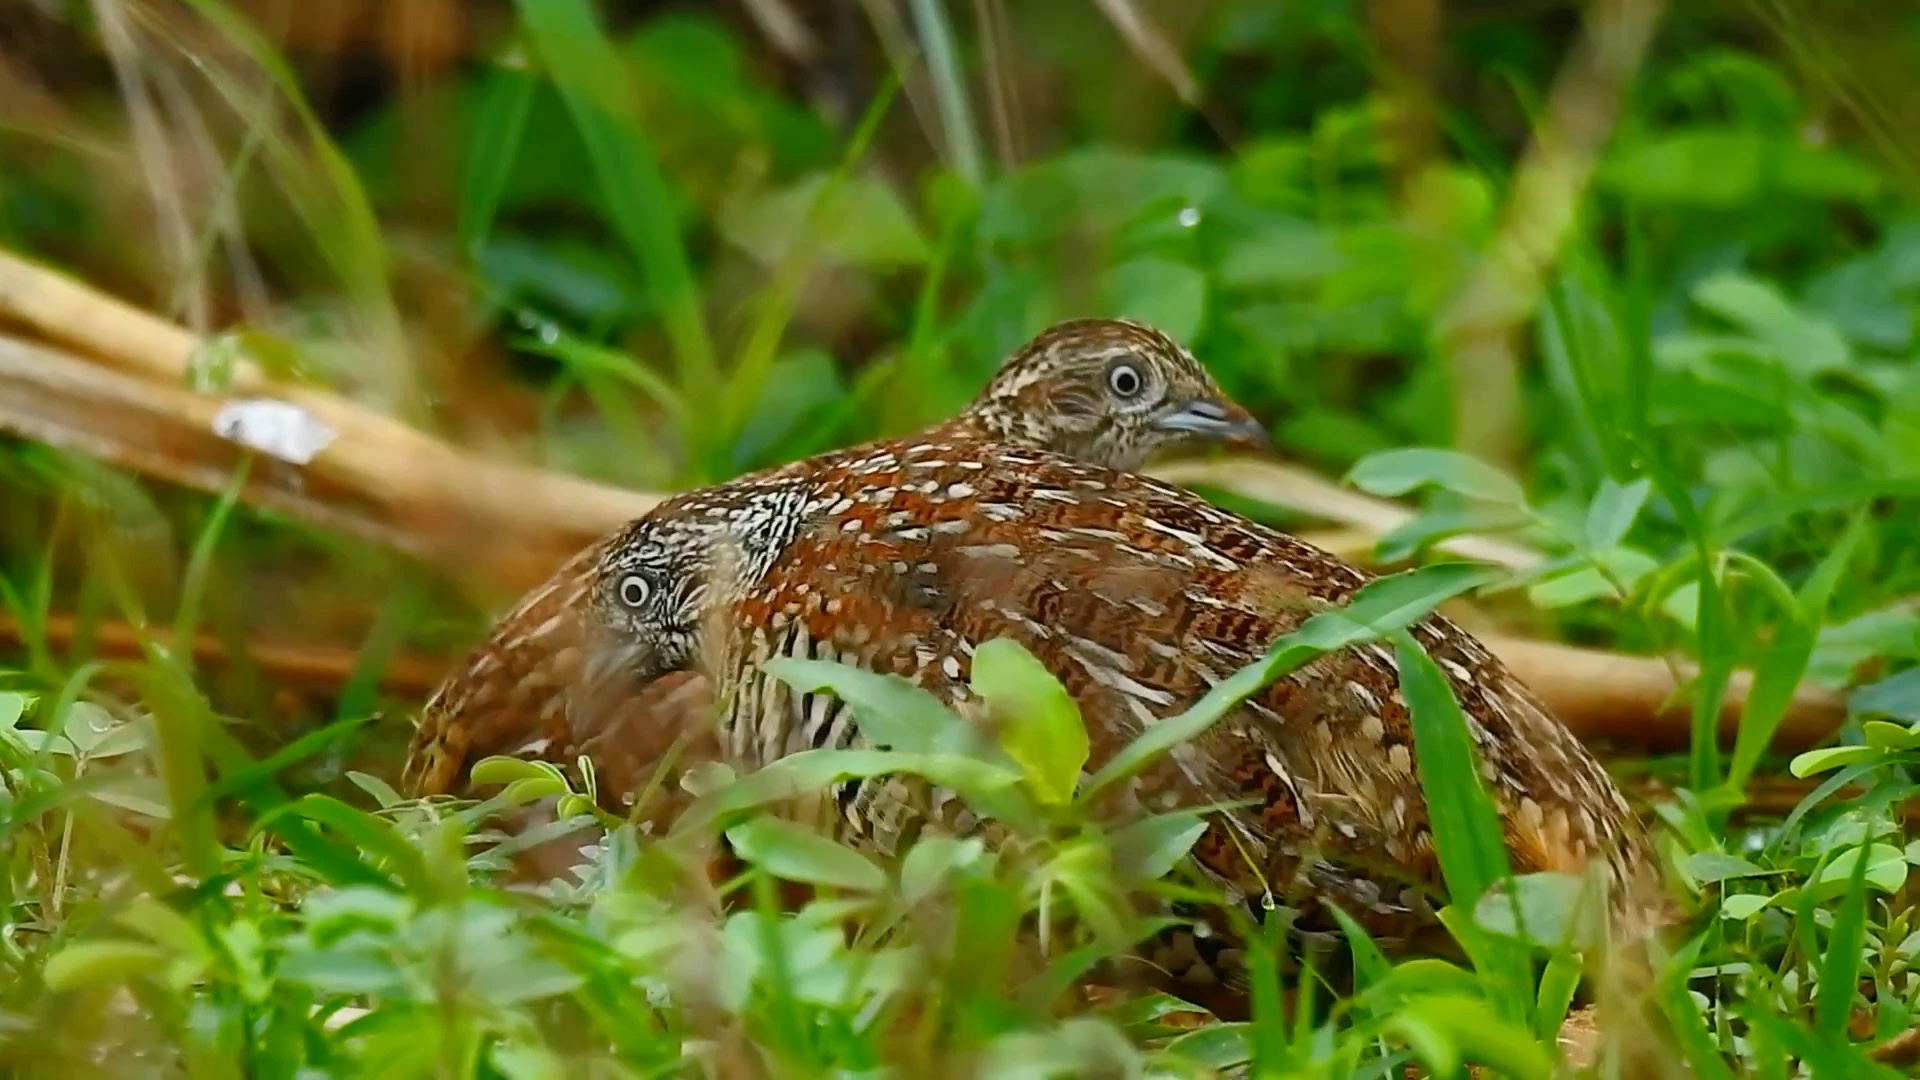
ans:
(1107, 391)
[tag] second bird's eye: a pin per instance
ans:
(1124, 379)
(634, 590)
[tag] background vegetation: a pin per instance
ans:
(1659, 264)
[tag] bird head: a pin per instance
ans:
(1112, 392)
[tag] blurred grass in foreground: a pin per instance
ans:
(671, 248)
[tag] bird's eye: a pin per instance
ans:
(1124, 379)
(634, 590)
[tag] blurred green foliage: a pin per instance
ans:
(656, 249)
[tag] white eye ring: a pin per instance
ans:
(634, 590)
(1125, 380)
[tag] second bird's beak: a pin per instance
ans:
(1227, 424)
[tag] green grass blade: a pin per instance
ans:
(777, 301)
(1777, 677)
(499, 125)
(578, 56)
(1467, 836)
(1840, 966)
(950, 90)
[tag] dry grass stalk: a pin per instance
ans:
(510, 525)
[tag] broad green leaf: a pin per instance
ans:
(1392, 473)
(1613, 511)
(1038, 722)
(1803, 343)
(892, 712)
(382, 792)
(1708, 867)
(87, 725)
(12, 707)
(162, 925)
(373, 837)
(1547, 910)
(506, 769)
(1882, 735)
(1374, 610)
(933, 859)
(985, 786)
(1832, 757)
(1215, 1047)
(789, 851)
(859, 223)
(1886, 867)
(1580, 584)
(1422, 531)
(1743, 906)
(1897, 696)
(1453, 1028)
(1147, 849)
(91, 963)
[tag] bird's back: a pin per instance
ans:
(1140, 597)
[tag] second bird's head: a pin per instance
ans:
(1111, 392)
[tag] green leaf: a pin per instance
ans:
(1840, 966)
(92, 963)
(983, 785)
(1558, 983)
(1368, 961)
(1709, 867)
(1147, 849)
(1777, 675)
(87, 726)
(1548, 910)
(1039, 724)
(1467, 836)
(371, 836)
(1897, 696)
(1802, 343)
(500, 120)
(860, 222)
(1742, 906)
(1832, 757)
(577, 55)
(1886, 868)
(1579, 584)
(789, 851)
(12, 708)
(933, 859)
(1422, 531)
(1453, 1028)
(1376, 609)
(506, 769)
(892, 712)
(1614, 510)
(1392, 473)
(1882, 735)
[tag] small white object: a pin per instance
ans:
(279, 428)
(1189, 216)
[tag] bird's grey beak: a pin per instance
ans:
(1228, 424)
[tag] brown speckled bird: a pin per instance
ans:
(902, 557)
(1104, 390)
